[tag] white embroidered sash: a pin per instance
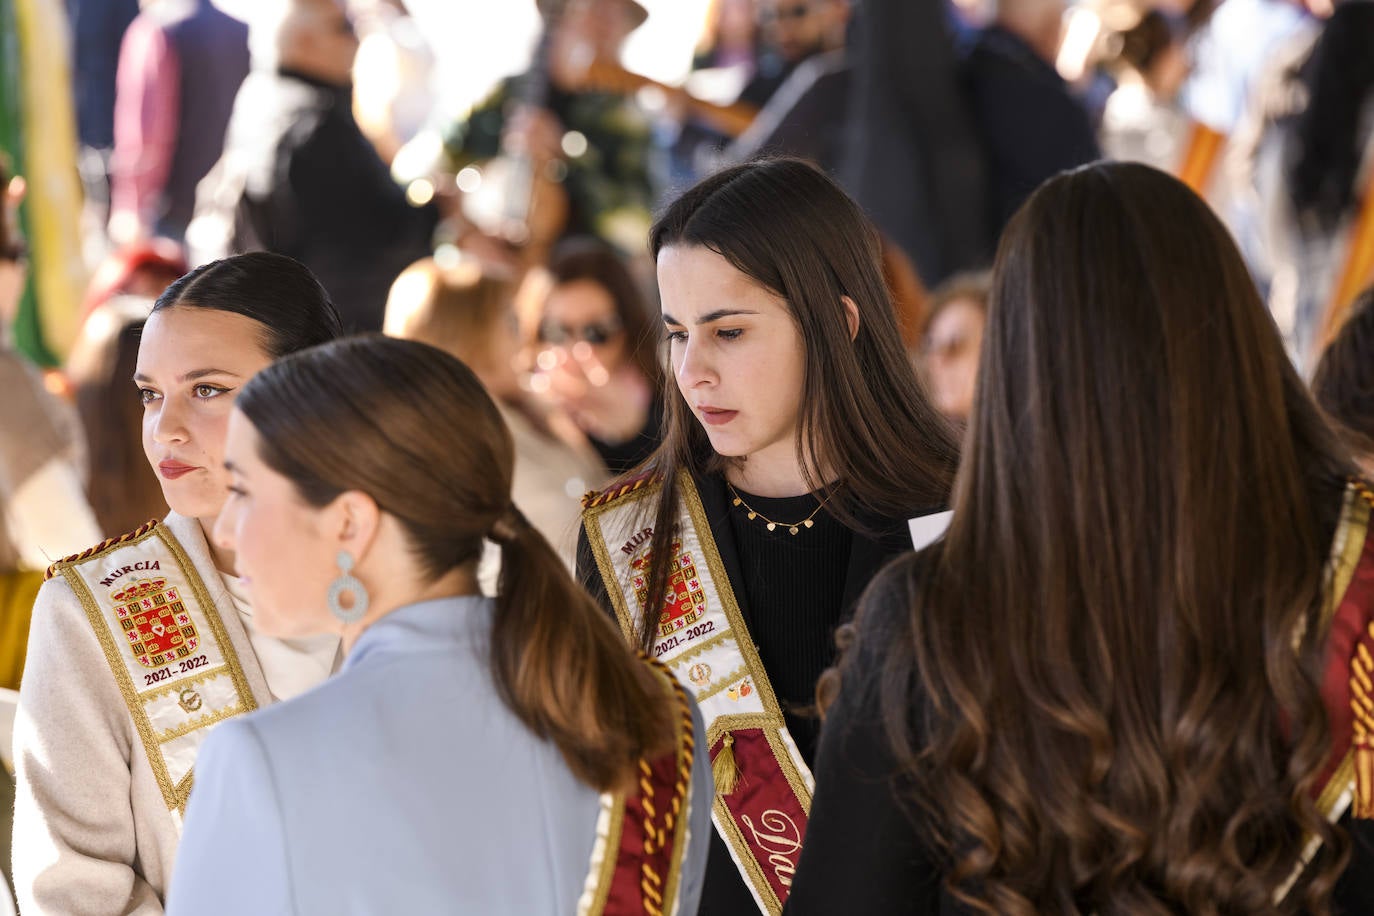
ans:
(166, 646)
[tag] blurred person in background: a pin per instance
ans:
(790, 32)
(393, 75)
(123, 490)
(97, 30)
(466, 311)
(730, 37)
(43, 510)
(1032, 125)
(180, 66)
(141, 269)
(730, 50)
(1343, 382)
(1142, 120)
(299, 178)
(587, 151)
(914, 159)
(952, 342)
(806, 115)
(1308, 158)
(598, 353)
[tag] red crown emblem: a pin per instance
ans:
(138, 588)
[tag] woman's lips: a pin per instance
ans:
(715, 416)
(171, 470)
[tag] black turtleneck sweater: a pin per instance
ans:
(792, 596)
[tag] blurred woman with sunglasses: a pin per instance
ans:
(599, 352)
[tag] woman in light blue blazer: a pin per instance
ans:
(473, 755)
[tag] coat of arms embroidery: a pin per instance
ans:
(155, 622)
(685, 600)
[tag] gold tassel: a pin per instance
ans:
(724, 769)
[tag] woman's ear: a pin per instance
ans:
(351, 521)
(851, 315)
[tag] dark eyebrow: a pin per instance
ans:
(709, 317)
(192, 375)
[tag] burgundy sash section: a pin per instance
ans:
(765, 810)
(648, 852)
(1348, 629)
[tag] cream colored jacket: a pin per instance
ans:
(92, 833)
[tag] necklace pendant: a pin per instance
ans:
(737, 501)
(808, 523)
(792, 530)
(772, 525)
(753, 515)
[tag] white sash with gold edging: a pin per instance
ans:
(166, 646)
(703, 640)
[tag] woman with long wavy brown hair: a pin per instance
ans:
(1121, 683)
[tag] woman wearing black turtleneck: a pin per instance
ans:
(797, 444)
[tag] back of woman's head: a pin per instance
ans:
(124, 492)
(279, 293)
(457, 309)
(360, 415)
(1344, 381)
(791, 229)
(1124, 616)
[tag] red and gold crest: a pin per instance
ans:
(685, 600)
(155, 622)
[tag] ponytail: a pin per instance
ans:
(345, 415)
(564, 671)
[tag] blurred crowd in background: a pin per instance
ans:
(504, 219)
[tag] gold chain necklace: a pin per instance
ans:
(792, 528)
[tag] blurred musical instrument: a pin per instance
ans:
(604, 75)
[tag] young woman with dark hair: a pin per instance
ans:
(143, 642)
(1123, 681)
(494, 746)
(599, 357)
(798, 446)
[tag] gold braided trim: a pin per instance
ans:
(594, 498)
(106, 544)
(656, 888)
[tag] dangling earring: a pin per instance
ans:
(347, 582)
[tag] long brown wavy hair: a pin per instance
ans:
(354, 414)
(1117, 647)
(787, 226)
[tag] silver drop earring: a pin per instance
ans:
(347, 582)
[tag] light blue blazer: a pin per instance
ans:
(402, 785)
